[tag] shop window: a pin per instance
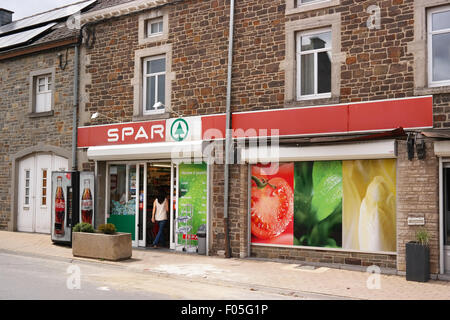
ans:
(314, 64)
(348, 205)
(439, 46)
(154, 85)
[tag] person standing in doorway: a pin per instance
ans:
(159, 214)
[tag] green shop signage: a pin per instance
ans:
(179, 130)
(192, 199)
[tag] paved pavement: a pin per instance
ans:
(268, 276)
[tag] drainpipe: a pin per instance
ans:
(75, 109)
(228, 142)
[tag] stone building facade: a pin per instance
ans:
(377, 52)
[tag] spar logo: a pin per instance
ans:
(179, 130)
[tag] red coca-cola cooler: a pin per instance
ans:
(72, 202)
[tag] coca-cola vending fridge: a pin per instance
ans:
(72, 202)
(65, 205)
(87, 197)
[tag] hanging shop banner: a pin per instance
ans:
(192, 201)
(329, 204)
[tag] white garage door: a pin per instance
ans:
(35, 177)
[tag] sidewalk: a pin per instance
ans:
(254, 274)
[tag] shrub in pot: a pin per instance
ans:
(108, 228)
(418, 258)
(83, 227)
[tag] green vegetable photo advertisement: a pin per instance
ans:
(318, 204)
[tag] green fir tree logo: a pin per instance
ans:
(179, 130)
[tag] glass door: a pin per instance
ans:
(140, 187)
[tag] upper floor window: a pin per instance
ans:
(155, 27)
(439, 47)
(302, 2)
(314, 64)
(43, 93)
(154, 85)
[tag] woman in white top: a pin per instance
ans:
(159, 214)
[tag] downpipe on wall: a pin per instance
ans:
(228, 141)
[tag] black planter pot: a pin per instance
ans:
(417, 262)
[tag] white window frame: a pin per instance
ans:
(299, 53)
(46, 92)
(301, 4)
(430, 13)
(145, 79)
(46, 187)
(25, 196)
(150, 22)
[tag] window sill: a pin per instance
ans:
(160, 116)
(431, 90)
(41, 114)
(312, 6)
(312, 102)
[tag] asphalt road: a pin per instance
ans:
(38, 278)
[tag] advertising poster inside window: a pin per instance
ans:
(369, 205)
(328, 204)
(192, 201)
(272, 204)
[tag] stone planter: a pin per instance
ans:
(102, 246)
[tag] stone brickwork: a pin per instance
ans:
(417, 196)
(19, 131)
(326, 257)
(378, 65)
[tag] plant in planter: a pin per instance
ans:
(108, 228)
(418, 257)
(83, 227)
(105, 244)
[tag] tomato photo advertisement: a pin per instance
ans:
(272, 204)
(326, 204)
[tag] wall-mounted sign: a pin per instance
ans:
(416, 221)
(123, 133)
(184, 129)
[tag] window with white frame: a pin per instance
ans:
(439, 46)
(43, 93)
(303, 2)
(27, 188)
(314, 64)
(154, 27)
(154, 85)
(44, 187)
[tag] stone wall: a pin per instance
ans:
(19, 130)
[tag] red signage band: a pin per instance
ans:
(373, 116)
(124, 133)
(345, 118)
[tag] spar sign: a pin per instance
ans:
(170, 130)
(123, 133)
